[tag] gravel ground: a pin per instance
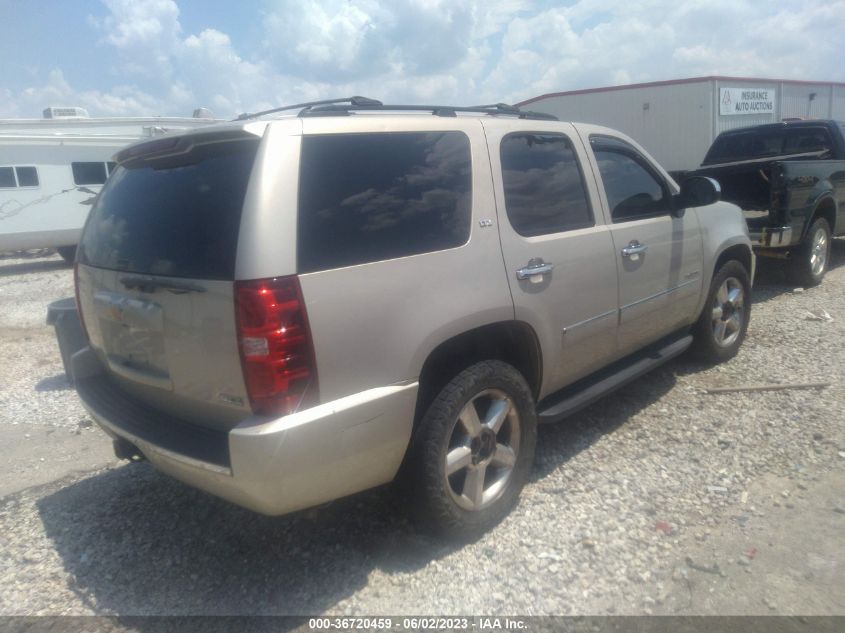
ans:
(29, 354)
(659, 499)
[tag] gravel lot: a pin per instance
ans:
(660, 499)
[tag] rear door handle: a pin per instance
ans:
(634, 248)
(535, 267)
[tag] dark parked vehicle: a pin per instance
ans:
(789, 180)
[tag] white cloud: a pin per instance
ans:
(140, 24)
(119, 100)
(451, 51)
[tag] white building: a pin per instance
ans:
(51, 169)
(676, 121)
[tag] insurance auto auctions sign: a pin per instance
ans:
(746, 101)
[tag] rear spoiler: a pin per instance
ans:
(182, 144)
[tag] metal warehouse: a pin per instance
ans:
(676, 121)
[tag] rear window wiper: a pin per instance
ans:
(149, 284)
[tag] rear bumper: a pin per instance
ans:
(772, 237)
(270, 466)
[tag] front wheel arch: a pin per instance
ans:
(738, 252)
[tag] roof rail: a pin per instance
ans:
(334, 107)
(436, 110)
(352, 101)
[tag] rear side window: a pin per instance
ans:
(7, 177)
(27, 176)
(544, 187)
(88, 173)
(11, 177)
(371, 197)
(176, 216)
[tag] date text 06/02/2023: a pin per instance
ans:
(418, 623)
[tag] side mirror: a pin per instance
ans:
(698, 191)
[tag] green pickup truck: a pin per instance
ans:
(789, 180)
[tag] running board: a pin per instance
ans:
(586, 391)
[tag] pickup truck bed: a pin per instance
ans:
(794, 201)
(780, 196)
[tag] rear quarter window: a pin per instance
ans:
(175, 217)
(372, 197)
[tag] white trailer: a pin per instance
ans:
(51, 170)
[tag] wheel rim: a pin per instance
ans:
(728, 312)
(818, 252)
(482, 450)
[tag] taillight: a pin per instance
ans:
(275, 344)
(76, 292)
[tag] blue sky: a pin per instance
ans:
(166, 57)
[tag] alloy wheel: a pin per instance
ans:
(818, 252)
(728, 312)
(482, 450)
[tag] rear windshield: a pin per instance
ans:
(760, 144)
(173, 216)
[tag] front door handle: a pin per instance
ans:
(634, 248)
(535, 267)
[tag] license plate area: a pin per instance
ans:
(132, 331)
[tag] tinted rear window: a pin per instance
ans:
(371, 197)
(760, 144)
(177, 217)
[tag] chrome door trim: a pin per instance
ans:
(598, 317)
(659, 294)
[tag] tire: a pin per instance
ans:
(813, 256)
(68, 253)
(498, 457)
(721, 328)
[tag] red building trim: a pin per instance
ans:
(672, 82)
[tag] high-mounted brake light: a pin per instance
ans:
(277, 354)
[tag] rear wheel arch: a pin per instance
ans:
(468, 463)
(512, 342)
(826, 209)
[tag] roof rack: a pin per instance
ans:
(356, 101)
(334, 107)
(436, 110)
